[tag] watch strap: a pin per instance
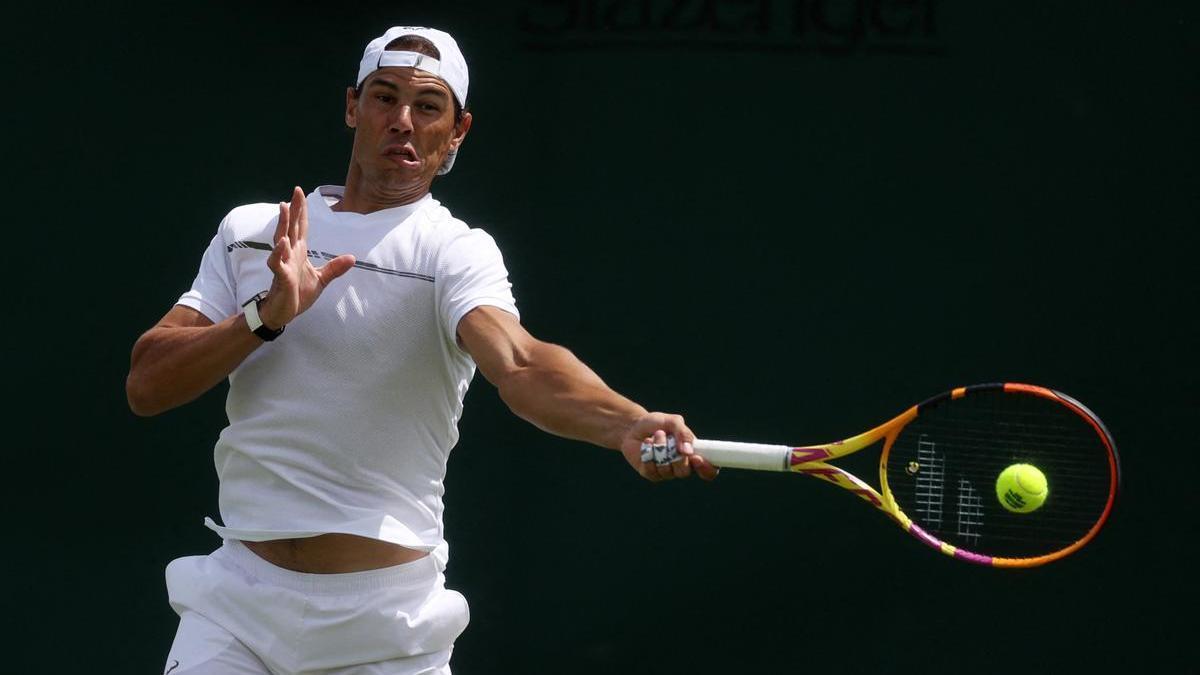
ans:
(254, 321)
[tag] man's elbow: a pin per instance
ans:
(140, 399)
(140, 391)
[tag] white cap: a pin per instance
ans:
(451, 68)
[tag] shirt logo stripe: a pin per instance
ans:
(322, 255)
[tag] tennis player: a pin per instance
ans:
(349, 323)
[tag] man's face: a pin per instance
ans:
(404, 127)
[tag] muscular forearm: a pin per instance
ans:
(172, 365)
(546, 385)
(555, 391)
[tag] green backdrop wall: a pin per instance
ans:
(786, 220)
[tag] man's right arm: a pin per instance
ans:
(184, 355)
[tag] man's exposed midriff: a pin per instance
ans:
(333, 553)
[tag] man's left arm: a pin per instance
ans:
(546, 385)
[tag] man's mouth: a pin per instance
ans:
(403, 154)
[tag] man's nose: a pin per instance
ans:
(402, 120)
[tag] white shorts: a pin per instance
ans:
(241, 614)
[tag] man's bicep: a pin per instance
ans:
(496, 340)
(179, 316)
(182, 316)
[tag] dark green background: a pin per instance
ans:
(787, 229)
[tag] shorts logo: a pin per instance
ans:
(173, 666)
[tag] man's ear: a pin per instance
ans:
(351, 108)
(460, 131)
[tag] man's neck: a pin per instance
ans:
(367, 196)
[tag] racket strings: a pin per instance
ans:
(942, 471)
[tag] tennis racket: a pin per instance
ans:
(940, 462)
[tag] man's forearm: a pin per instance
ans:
(172, 365)
(556, 392)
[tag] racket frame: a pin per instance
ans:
(813, 460)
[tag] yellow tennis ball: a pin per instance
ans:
(1022, 488)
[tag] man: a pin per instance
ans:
(346, 385)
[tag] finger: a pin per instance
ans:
(660, 445)
(282, 225)
(681, 468)
(662, 461)
(664, 471)
(276, 255)
(296, 210)
(703, 468)
(284, 248)
(677, 462)
(675, 426)
(647, 450)
(301, 205)
(648, 469)
(673, 454)
(334, 269)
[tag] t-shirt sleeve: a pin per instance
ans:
(213, 293)
(471, 273)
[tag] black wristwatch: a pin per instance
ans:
(255, 322)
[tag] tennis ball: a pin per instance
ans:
(1022, 488)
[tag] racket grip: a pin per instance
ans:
(755, 456)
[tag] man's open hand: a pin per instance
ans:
(297, 284)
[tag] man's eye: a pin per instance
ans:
(429, 107)
(383, 98)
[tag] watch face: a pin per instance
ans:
(254, 321)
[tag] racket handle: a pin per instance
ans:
(756, 456)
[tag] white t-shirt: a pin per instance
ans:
(345, 422)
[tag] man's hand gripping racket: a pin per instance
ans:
(940, 472)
